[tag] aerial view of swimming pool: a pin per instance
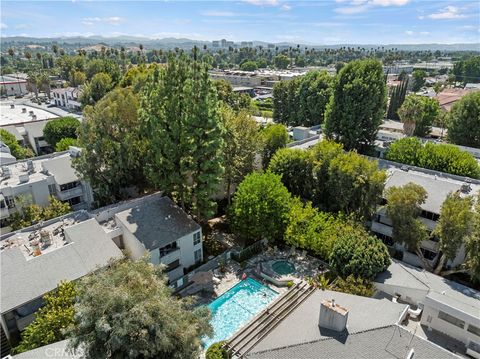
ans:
(236, 307)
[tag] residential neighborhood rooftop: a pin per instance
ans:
(156, 215)
(33, 264)
(22, 114)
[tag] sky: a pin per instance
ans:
(306, 22)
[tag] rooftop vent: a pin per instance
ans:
(465, 188)
(34, 117)
(24, 110)
(30, 113)
(333, 316)
(405, 168)
(6, 172)
(23, 178)
(12, 106)
(30, 167)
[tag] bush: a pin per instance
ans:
(16, 150)
(260, 207)
(65, 143)
(355, 286)
(215, 351)
(56, 130)
(360, 254)
(438, 157)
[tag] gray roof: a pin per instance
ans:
(301, 326)
(437, 188)
(61, 168)
(438, 288)
(157, 222)
(54, 350)
(391, 342)
(35, 129)
(23, 280)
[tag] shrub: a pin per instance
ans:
(56, 130)
(215, 351)
(355, 286)
(65, 143)
(16, 150)
(358, 253)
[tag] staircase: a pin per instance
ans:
(247, 337)
(4, 344)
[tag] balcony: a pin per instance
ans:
(170, 256)
(381, 228)
(70, 193)
(4, 212)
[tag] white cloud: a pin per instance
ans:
(218, 13)
(359, 6)
(263, 2)
(449, 12)
(409, 32)
(424, 33)
(3, 25)
(286, 7)
(112, 20)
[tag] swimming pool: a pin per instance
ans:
(283, 267)
(236, 307)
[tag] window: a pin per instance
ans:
(70, 185)
(10, 201)
(473, 329)
(429, 215)
(451, 319)
(52, 189)
(385, 239)
(175, 264)
(198, 255)
(168, 249)
(73, 201)
(196, 238)
(429, 255)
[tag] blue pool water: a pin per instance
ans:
(236, 307)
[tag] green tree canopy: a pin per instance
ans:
(32, 213)
(314, 92)
(454, 226)
(16, 150)
(296, 169)
(274, 138)
(357, 107)
(464, 121)
(249, 66)
(472, 245)
(418, 113)
(128, 311)
(281, 61)
(242, 143)
(439, 157)
(260, 207)
(112, 157)
(58, 129)
(357, 253)
(180, 115)
(316, 231)
(355, 185)
(65, 143)
(52, 320)
(404, 208)
(418, 77)
(96, 88)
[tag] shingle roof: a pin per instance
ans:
(157, 222)
(391, 342)
(301, 326)
(54, 350)
(61, 168)
(23, 280)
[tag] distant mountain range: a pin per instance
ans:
(188, 43)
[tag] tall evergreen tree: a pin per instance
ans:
(357, 107)
(180, 114)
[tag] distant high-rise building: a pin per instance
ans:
(216, 43)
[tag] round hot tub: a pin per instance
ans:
(283, 267)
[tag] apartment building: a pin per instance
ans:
(68, 98)
(35, 180)
(445, 307)
(36, 259)
(437, 185)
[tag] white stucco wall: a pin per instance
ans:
(410, 295)
(134, 248)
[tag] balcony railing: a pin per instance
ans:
(70, 193)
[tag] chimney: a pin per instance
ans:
(333, 316)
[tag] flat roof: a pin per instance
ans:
(11, 116)
(437, 186)
(157, 221)
(438, 288)
(58, 165)
(82, 249)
